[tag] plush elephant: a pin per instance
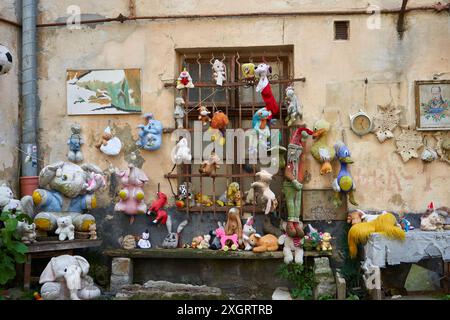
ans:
(65, 277)
(150, 137)
(65, 192)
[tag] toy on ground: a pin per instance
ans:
(132, 195)
(109, 144)
(263, 70)
(66, 194)
(75, 142)
(181, 153)
(433, 220)
(247, 231)
(292, 247)
(219, 72)
(263, 188)
(231, 197)
(234, 224)
(263, 243)
(208, 167)
(157, 208)
(172, 239)
(292, 184)
(294, 108)
(93, 232)
(179, 112)
(128, 242)
(215, 243)
(320, 149)
(184, 80)
(6, 60)
(248, 73)
(219, 123)
(66, 229)
(26, 231)
(66, 277)
(144, 242)
(204, 115)
(344, 183)
(150, 137)
(385, 224)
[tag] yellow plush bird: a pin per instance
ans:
(385, 224)
(320, 149)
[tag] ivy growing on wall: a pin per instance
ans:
(301, 276)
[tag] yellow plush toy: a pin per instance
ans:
(385, 224)
(248, 71)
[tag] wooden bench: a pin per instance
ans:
(49, 249)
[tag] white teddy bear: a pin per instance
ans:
(289, 247)
(65, 228)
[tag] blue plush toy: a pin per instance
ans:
(344, 182)
(150, 137)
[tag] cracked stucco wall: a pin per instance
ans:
(335, 73)
(9, 99)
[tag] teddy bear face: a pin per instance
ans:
(326, 236)
(64, 222)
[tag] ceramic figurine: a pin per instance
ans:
(247, 231)
(26, 232)
(294, 108)
(66, 277)
(6, 60)
(93, 232)
(144, 242)
(150, 137)
(231, 197)
(292, 184)
(204, 115)
(219, 72)
(66, 194)
(75, 142)
(234, 224)
(172, 240)
(219, 123)
(344, 182)
(262, 186)
(209, 167)
(292, 247)
(157, 208)
(263, 243)
(65, 228)
(433, 220)
(181, 153)
(320, 149)
(132, 195)
(179, 112)
(263, 70)
(248, 72)
(109, 144)
(184, 80)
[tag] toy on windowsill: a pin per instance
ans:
(179, 112)
(320, 149)
(108, 144)
(184, 80)
(263, 243)
(208, 167)
(263, 70)
(203, 200)
(248, 73)
(150, 137)
(294, 108)
(132, 195)
(75, 142)
(219, 72)
(344, 183)
(172, 240)
(218, 127)
(144, 242)
(247, 231)
(204, 115)
(231, 197)
(385, 224)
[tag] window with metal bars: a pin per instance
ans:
(239, 101)
(341, 30)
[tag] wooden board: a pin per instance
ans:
(63, 245)
(317, 204)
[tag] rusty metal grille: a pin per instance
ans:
(239, 101)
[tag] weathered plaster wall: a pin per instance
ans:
(335, 71)
(9, 98)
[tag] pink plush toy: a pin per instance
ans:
(95, 182)
(220, 233)
(132, 195)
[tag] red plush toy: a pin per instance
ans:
(156, 208)
(264, 87)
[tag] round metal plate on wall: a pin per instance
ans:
(361, 123)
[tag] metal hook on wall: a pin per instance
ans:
(212, 58)
(250, 58)
(223, 59)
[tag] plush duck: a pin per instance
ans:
(344, 181)
(320, 149)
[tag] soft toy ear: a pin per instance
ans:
(48, 275)
(257, 235)
(48, 173)
(84, 265)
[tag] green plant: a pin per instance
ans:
(301, 276)
(352, 297)
(12, 251)
(325, 297)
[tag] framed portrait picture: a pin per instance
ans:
(432, 105)
(115, 91)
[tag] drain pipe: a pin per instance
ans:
(29, 91)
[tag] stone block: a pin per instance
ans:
(122, 267)
(281, 293)
(341, 287)
(326, 285)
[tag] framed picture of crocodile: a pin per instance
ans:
(114, 91)
(432, 105)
